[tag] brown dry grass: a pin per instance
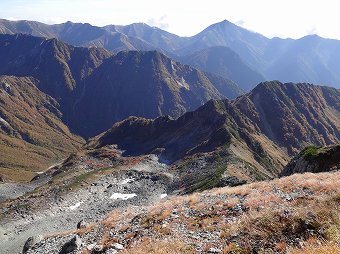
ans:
(153, 246)
(80, 232)
(112, 219)
(32, 116)
(266, 218)
(326, 248)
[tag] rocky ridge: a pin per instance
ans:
(262, 128)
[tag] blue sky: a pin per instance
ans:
(283, 18)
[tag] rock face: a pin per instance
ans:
(72, 245)
(82, 224)
(147, 84)
(314, 159)
(294, 115)
(59, 67)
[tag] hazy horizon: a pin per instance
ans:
(284, 19)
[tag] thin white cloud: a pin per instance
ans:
(312, 30)
(12, 19)
(53, 20)
(240, 23)
(160, 22)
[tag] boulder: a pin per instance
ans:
(73, 244)
(118, 246)
(82, 224)
(31, 241)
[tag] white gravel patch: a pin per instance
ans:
(73, 207)
(128, 180)
(123, 196)
(163, 195)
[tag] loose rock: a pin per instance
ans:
(71, 245)
(82, 224)
(31, 241)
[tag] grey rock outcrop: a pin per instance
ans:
(31, 241)
(82, 224)
(314, 159)
(71, 245)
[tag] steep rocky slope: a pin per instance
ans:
(294, 115)
(59, 67)
(85, 85)
(32, 134)
(28, 55)
(147, 84)
(314, 159)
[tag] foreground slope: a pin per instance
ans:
(115, 202)
(290, 215)
(32, 134)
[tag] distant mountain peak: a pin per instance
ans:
(308, 59)
(226, 22)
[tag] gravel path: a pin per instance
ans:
(14, 190)
(139, 185)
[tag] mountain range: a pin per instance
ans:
(92, 88)
(87, 90)
(133, 134)
(310, 59)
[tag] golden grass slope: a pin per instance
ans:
(295, 214)
(32, 134)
